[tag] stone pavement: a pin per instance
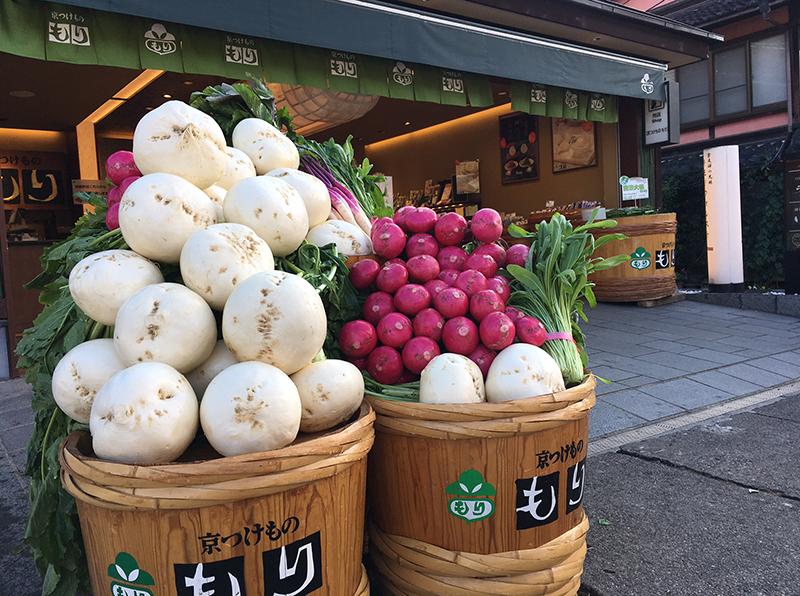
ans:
(673, 460)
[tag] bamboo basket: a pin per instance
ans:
(647, 278)
(454, 495)
(271, 522)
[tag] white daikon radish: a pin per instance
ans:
(522, 370)
(277, 318)
(330, 390)
(451, 379)
(250, 407)
(272, 208)
(178, 139)
(165, 323)
(159, 212)
(349, 239)
(239, 167)
(220, 359)
(145, 414)
(101, 282)
(311, 189)
(81, 373)
(266, 146)
(217, 196)
(215, 260)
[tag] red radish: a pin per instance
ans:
(483, 303)
(377, 306)
(357, 339)
(429, 323)
(451, 302)
(483, 357)
(379, 221)
(395, 330)
(359, 363)
(388, 240)
(126, 183)
(385, 365)
(497, 331)
(120, 165)
(422, 244)
(452, 257)
(531, 331)
(448, 276)
(112, 217)
(407, 377)
(421, 219)
(423, 268)
(396, 260)
(450, 229)
(364, 273)
(114, 196)
(514, 314)
(391, 277)
(460, 336)
(411, 298)
(487, 226)
(418, 352)
(500, 287)
(516, 254)
(471, 282)
(435, 286)
(483, 263)
(497, 252)
(400, 216)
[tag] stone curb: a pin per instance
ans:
(788, 305)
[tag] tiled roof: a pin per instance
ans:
(705, 12)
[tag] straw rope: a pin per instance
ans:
(212, 482)
(413, 568)
(633, 289)
(484, 420)
(363, 584)
(640, 229)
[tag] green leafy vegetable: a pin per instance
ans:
(553, 288)
(408, 392)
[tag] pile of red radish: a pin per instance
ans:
(122, 172)
(430, 296)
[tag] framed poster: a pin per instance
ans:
(519, 148)
(574, 144)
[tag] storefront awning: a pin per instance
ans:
(364, 28)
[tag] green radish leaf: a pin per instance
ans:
(518, 232)
(611, 262)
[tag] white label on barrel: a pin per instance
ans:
(537, 501)
(216, 578)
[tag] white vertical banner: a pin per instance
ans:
(723, 216)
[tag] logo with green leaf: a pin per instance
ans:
(640, 259)
(472, 502)
(126, 569)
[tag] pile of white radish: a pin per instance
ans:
(439, 314)
(166, 374)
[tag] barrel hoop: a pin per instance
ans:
(640, 229)
(633, 289)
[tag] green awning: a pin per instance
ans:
(63, 32)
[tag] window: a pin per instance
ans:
(744, 79)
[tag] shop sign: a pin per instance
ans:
(661, 124)
(343, 65)
(241, 50)
(402, 75)
(471, 500)
(128, 579)
(160, 41)
(95, 187)
(640, 259)
(634, 188)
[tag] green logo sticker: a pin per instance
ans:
(640, 259)
(471, 503)
(126, 569)
(623, 180)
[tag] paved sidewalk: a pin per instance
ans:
(669, 366)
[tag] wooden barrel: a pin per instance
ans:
(480, 498)
(289, 521)
(650, 274)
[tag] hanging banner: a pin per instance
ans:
(374, 80)
(242, 56)
(21, 29)
(68, 35)
(343, 72)
(555, 102)
(115, 39)
(203, 52)
(160, 45)
(427, 84)
(279, 63)
(479, 90)
(453, 90)
(310, 66)
(401, 81)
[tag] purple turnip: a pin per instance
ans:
(391, 277)
(400, 216)
(120, 165)
(531, 331)
(451, 302)
(471, 282)
(395, 330)
(513, 313)
(364, 273)
(450, 229)
(422, 244)
(500, 286)
(377, 306)
(421, 219)
(448, 276)
(485, 302)
(483, 357)
(452, 257)
(497, 252)
(418, 352)
(483, 263)
(357, 339)
(435, 286)
(385, 365)
(112, 217)
(429, 323)
(497, 331)
(487, 226)
(423, 268)
(388, 240)
(460, 336)
(516, 254)
(411, 298)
